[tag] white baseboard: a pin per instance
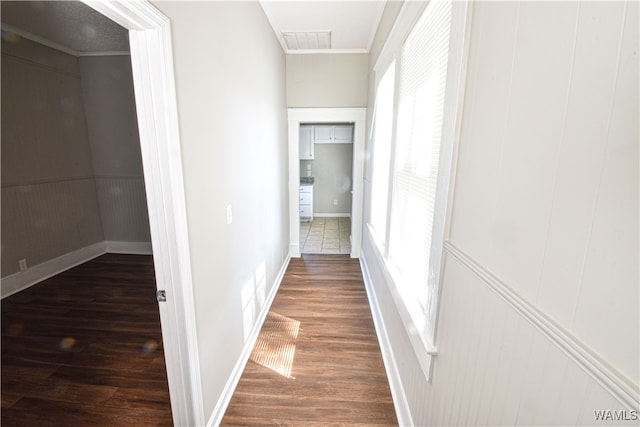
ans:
(36, 274)
(234, 378)
(332, 215)
(133, 248)
(403, 412)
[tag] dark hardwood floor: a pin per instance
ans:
(317, 360)
(84, 348)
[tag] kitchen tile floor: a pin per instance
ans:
(325, 236)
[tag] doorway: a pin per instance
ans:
(327, 116)
(326, 178)
(156, 105)
(152, 69)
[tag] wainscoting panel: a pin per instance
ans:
(123, 207)
(45, 220)
(494, 365)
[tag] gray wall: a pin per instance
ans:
(71, 168)
(546, 201)
(49, 203)
(327, 80)
(331, 168)
(107, 87)
(230, 72)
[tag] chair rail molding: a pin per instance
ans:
(607, 376)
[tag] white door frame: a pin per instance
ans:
(154, 85)
(357, 116)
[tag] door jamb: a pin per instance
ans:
(156, 106)
(357, 116)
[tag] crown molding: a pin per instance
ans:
(53, 45)
(325, 51)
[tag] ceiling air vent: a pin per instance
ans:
(296, 40)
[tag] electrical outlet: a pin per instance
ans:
(229, 214)
(23, 264)
(335, 202)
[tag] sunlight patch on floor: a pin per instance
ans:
(276, 344)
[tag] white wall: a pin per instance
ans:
(327, 80)
(230, 83)
(542, 262)
(551, 136)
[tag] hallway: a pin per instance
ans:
(317, 358)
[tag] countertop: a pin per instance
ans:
(306, 180)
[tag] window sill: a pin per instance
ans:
(423, 347)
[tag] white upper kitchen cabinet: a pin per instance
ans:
(322, 134)
(327, 134)
(306, 142)
(343, 134)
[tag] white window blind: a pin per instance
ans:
(422, 83)
(382, 133)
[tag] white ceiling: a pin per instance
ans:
(70, 26)
(78, 29)
(352, 23)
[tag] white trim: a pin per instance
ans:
(157, 113)
(132, 248)
(424, 349)
(400, 402)
(407, 18)
(323, 51)
(105, 53)
(53, 45)
(376, 23)
(36, 274)
(622, 388)
(271, 21)
(357, 116)
(332, 215)
(451, 127)
(236, 373)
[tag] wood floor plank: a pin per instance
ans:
(85, 348)
(317, 360)
(44, 412)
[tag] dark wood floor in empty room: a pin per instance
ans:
(84, 348)
(317, 360)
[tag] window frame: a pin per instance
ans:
(424, 341)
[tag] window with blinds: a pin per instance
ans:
(422, 84)
(419, 75)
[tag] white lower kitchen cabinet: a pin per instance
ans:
(306, 202)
